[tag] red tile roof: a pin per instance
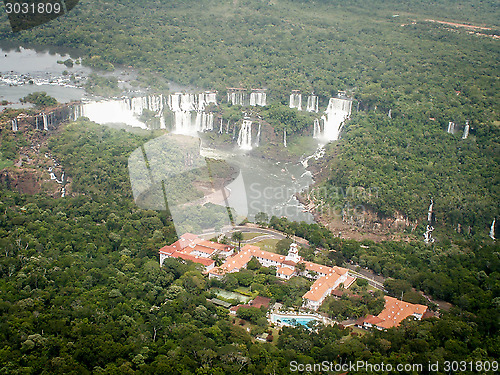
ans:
(260, 301)
(205, 261)
(285, 271)
(321, 286)
(396, 311)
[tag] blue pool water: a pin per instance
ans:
(292, 321)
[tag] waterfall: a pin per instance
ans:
(258, 136)
(15, 127)
(316, 129)
(466, 130)
(45, 125)
(220, 127)
(204, 121)
(428, 235)
(390, 113)
(337, 112)
(204, 99)
(429, 212)
(258, 98)
(492, 229)
(76, 112)
(296, 101)
(284, 137)
(174, 102)
(184, 105)
(451, 127)
(312, 103)
(245, 135)
(126, 110)
(236, 98)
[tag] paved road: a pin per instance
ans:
(267, 233)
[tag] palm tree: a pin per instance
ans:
(237, 236)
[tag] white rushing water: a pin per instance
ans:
(245, 135)
(429, 212)
(257, 141)
(237, 97)
(336, 114)
(190, 116)
(111, 112)
(258, 98)
(284, 137)
(45, 123)
(312, 103)
(466, 130)
(451, 127)
(296, 101)
(316, 129)
(15, 127)
(492, 229)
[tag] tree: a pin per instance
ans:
(261, 218)
(237, 236)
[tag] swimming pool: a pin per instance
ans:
(293, 320)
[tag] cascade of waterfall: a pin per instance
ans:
(429, 212)
(466, 130)
(451, 127)
(245, 135)
(206, 98)
(312, 103)
(337, 112)
(45, 125)
(296, 101)
(220, 127)
(258, 98)
(236, 98)
(211, 97)
(174, 102)
(76, 112)
(390, 113)
(257, 141)
(184, 105)
(284, 137)
(316, 129)
(428, 235)
(14, 125)
(492, 229)
(188, 102)
(203, 122)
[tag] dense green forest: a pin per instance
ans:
(397, 164)
(81, 291)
